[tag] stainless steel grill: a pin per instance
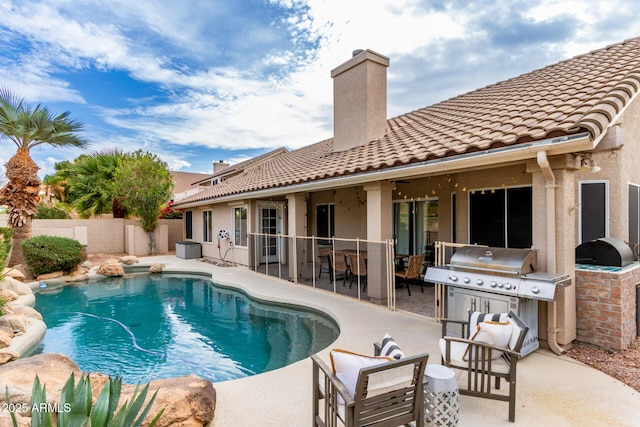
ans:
(496, 280)
(500, 271)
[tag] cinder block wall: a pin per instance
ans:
(606, 306)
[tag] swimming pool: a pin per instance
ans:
(144, 327)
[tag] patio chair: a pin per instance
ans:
(412, 272)
(339, 265)
(490, 351)
(325, 263)
(387, 394)
(358, 267)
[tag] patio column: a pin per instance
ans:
(297, 220)
(379, 228)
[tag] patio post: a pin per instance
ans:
(297, 219)
(379, 228)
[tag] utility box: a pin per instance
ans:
(188, 250)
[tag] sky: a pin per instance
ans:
(199, 81)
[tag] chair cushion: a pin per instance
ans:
(458, 350)
(346, 366)
(493, 333)
(390, 348)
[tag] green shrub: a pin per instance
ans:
(46, 254)
(3, 303)
(51, 212)
(76, 410)
(5, 247)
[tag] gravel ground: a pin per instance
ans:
(622, 365)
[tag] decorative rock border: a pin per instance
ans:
(21, 325)
(188, 401)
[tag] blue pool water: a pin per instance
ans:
(145, 327)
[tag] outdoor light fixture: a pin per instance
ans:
(587, 164)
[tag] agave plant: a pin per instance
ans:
(76, 410)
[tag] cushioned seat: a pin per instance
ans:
(361, 390)
(490, 350)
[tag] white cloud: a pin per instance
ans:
(212, 99)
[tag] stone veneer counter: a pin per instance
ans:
(606, 305)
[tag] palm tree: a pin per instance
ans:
(27, 127)
(91, 178)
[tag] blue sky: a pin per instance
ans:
(199, 81)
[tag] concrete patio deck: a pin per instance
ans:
(552, 390)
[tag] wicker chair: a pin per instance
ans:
(358, 269)
(482, 363)
(339, 267)
(412, 272)
(399, 404)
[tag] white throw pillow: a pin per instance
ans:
(493, 333)
(346, 366)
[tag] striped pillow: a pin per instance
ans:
(390, 348)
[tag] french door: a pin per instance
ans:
(271, 224)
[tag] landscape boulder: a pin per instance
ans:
(156, 268)
(188, 401)
(129, 260)
(15, 285)
(49, 276)
(14, 273)
(111, 269)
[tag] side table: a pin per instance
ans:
(441, 406)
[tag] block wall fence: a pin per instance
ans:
(110, 235)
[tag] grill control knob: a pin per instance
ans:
(507, 285)
(479, 282)
(466, 280)
(500, 285)
(535, 290)
(493, 284)
(453, 278)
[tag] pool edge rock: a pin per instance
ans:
(187, 401)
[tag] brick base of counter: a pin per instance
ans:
(606, 305)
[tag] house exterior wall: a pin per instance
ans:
(222, 218)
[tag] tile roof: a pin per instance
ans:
(580, 94)
(183, 181)
(238, 167)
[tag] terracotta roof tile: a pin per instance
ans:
(580, 94)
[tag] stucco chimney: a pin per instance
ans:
(219, 166)
(359, 100)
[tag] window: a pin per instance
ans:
(325, 222)
(188, 224)
(594, 222)
(501, 218)
(207, 226)
(240, 226)
(634, 213)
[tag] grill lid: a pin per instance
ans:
(497, 260)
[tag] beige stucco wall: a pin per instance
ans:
(622, 167)
(107, 235)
